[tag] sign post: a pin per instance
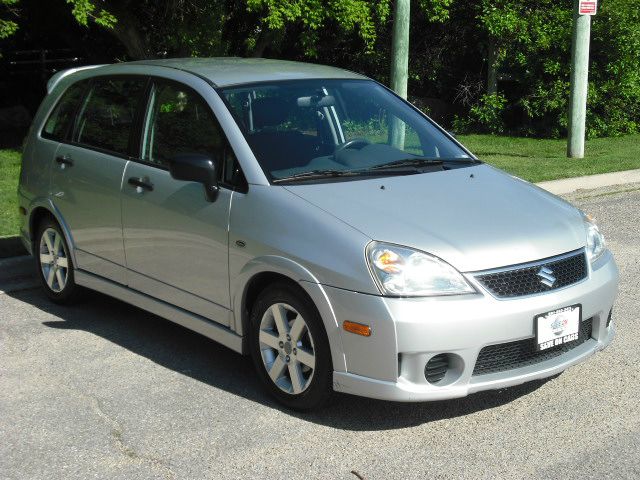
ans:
(584, 10)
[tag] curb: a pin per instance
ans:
(11, 247)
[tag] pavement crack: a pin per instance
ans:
(117, 434)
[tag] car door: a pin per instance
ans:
(87, 173)
(176, 241)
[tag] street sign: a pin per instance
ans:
(588, 7)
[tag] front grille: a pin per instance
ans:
(507, 356)
(527, 280)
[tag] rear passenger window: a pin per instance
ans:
(180, 122)
(108, 113)
(61, 118)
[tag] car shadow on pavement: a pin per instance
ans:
(204, 360)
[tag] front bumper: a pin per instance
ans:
(407, 333)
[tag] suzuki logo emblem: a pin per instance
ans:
(546, 277)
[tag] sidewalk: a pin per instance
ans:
(570, 185)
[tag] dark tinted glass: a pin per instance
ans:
(107, 116)
(303, 126)
(58, 123)
(180, 122)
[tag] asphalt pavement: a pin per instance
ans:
(104, 390)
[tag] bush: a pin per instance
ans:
(486, 116)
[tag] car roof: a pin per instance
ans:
(223, 72)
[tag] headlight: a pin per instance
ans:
(595, 240)
(406, 272)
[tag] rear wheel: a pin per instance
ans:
(54, 264)
(290, 349)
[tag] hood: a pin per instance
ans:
(474, 218)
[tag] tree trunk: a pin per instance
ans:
(264, 40)
(133, 42)
(128, 32)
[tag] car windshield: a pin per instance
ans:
(311, 129)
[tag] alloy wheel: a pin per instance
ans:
(287, 348)
(54, 260)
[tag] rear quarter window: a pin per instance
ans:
(57, 125)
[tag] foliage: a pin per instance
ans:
(525, 45)
(486, 116)
(361, 16)
(85, 10)
(534, 45)
(148, 28)
(436, 10)
(8, 27)
(614, 96)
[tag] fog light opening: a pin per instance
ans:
(444, 369)
(436, 368)
(609, 318)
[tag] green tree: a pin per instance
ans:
(312, 17)
(530, 44)
(460, 52)
(148, 28)
(8, 24)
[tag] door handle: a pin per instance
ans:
(140, 183)
(64, 160)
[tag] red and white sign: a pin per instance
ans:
(588, 7)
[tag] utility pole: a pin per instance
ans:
(583, 10)
(399, 64)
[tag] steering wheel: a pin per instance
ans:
(362, 142)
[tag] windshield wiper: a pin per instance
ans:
(313, 174)
(420, 162)
(316, 174)
(409, 162)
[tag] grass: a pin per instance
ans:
(9, 172)
(531, 159)
(539, 160)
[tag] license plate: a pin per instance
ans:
(557, 327)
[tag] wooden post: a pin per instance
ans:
(400, 65)
(579, 82)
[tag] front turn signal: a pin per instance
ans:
(357, 328)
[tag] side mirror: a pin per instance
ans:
(199, 168)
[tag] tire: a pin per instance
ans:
(54, 266)
(296, 355)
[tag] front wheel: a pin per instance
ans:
(290, 349)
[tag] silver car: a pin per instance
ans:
(309, 217)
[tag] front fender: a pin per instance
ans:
(307, 281)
